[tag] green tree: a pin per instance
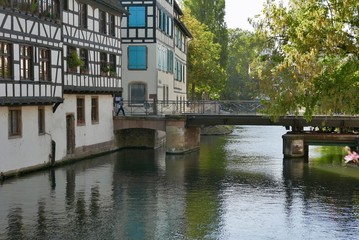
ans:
(211, 13)
(243, 47)
(205, 75)
(311, 60)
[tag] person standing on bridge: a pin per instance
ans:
(119, 103)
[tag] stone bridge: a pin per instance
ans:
(179, 131)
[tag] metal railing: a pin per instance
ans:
(156, 108)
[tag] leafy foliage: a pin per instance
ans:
(211, 13)
(205, 75)
(243, 47)
(310, 62)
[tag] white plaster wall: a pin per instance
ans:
(148, 76)
(31, 148)
(88, 134)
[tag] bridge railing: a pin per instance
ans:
(252, 107)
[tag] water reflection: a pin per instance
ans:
(15, 223)
(228, 190)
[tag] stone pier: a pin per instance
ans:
(179, 137)
(296, 145)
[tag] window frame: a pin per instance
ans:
(112, 62)
(41, 120)
(103, 63)
(95, 110)
(112, 25)
(26, 62)
(138, 100)
(102, 22)
(84, 56)
(80, 111)
(44, 64)
(15, 122)
(83, 13)
(6, 59)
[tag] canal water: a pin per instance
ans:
(236, 187)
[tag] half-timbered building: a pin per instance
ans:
(31, 86)
(92, 74)
(60, 68)
(154, 49)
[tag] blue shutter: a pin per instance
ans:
(137, 57)
(137, 17)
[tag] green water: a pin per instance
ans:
(236, 187)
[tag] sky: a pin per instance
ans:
(238, 11)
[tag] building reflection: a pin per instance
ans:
(15, 224)
(41, 219)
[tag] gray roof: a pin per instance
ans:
(113, 4)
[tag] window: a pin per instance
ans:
(169, 61)
(26, 61)
(165, 23)
(112, 63)
(179, 39)
(137, 57)
(137, 17)
(49, 9)
(44, 65)
(15, 123)
(103, 22)
(103, 63)
(85, 60)
(66, 5)
(83, 16)
(5, 60)
(138, 93)
(72, 59)
(94, 110)
(41, 120)
(179, 71)
(112, 28)
(80, 101)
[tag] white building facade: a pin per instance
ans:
(31, 84)
(154, 63)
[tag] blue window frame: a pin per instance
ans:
(137, 57)
(137, 17)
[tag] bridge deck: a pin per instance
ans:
(294, 121)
